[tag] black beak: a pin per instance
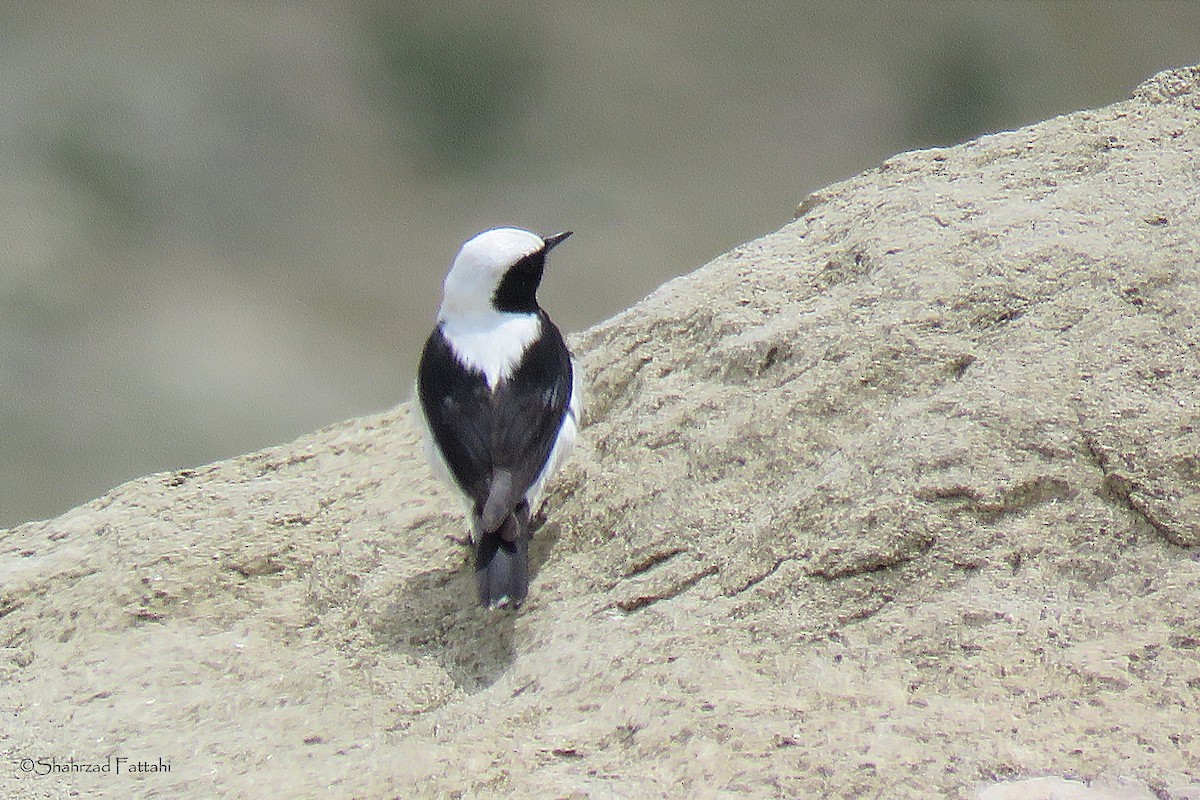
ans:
(555, 240)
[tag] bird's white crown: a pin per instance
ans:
(479, 267)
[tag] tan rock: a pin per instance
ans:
(899, 501)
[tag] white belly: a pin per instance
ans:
(563, 445)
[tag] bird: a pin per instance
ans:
(499, 395)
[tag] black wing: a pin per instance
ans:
(529, 410)
(513, 429)
(457, 405)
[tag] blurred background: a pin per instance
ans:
(225, 224)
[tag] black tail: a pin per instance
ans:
(502, 562)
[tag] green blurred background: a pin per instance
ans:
(226, 223)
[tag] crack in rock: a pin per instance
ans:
(674, 588)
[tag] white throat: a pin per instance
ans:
(491, 343)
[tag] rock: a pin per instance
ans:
(1060, 789)
(900, 501)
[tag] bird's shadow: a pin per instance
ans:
(436, 616)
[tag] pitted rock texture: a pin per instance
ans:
(901, 500)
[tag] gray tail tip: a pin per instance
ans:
(502, 572)
(503, 603)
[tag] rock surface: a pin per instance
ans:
(900, 501)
